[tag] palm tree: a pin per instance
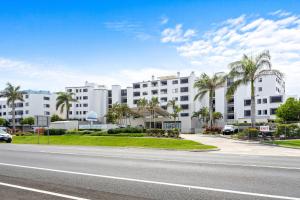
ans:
(152, 105)
(13, 94)
(217, 116)
(63, 101)
(201, 114)
(246, 71)
(175, 110)
(142, 107)
(208, 85)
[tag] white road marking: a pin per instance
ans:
(42, 191)
(155, 182)
(165, 160)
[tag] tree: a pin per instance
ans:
(246, 71)
(202, 114)
(63, 101)
(13, 94)
(208, 85)
(142, 107)
(2, 121)
(217, 116)
(289, 111)
(55, 118)
(175, 110)
(152, 105)
(27, 121)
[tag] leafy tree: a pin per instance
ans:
(208, 85)
(202, 114)
(152, 105)
(176, 109)
(63, 101)
(246, 71)
(217, 116)
(289, 111)
(27, 121)
(55, 118)
(142, 107)
(2, 121)
(13, 94)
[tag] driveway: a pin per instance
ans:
(230, 146)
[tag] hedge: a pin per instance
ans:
(288, 130)
(173, 133)
(125, 130)
(56, 131)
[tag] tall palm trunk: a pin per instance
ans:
(13, 116)
(210, 109)
(67, 110)
(252, 104)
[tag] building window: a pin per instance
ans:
(135, 86)
(273, 111)
(77, 90)
(164, 107)
(84, 112)
(175, 90)
(46, 105)
(85, 105)
(136, 94)
(145, 85)
(174, 82)
(265, 100)
(69, 90)
(184, 98)
(275, 99)
(47, 113)
(163, 91)
(175, 98)
(85, 90)
(145, 93)
(163, 83)
(259, 112)
(85, 97)
(247, 113)
(135, 101)
(164, 99)
(46, 98)
(70, 112)
(259, 89)
(184, 80)
(154, 92)
(109, 93)
(154, 83)
(184, 106)
(26, 104)
(124, 100)
(258, 101)
(27, 112)
(26, 96)
(265, 112)
(184, 89)
(247, 102)
(260, 80)
(123, 93)
(184, 114)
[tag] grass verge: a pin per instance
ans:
(288, 143)
(161, 143)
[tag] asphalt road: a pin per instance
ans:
(65, 172)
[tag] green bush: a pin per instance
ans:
(56, 131)
(242, 135)
(125, 130)
(156, 132)
(92, 130)
(118, 134)
(288, 130)
(212, 130)
(174, 133)
(248, 133)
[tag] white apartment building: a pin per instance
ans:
(270, 93)
(90, 97)
(35, 103)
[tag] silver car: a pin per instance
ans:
(5, 136)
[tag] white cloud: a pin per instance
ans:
(280, 13)
(177, 35)
(164, 20)
(234, 37)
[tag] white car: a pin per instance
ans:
(5, 136)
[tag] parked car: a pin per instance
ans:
(229, 129)
(4, 136)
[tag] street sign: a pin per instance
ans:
(264, 128)
(41, 121)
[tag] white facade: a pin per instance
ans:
(90, 97)
(35, 103)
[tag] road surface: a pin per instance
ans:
(67, 172)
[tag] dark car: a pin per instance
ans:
(229, 129)
(5, 136)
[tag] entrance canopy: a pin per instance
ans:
(157, 111)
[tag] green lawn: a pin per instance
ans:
(288, 143)
(162, 143)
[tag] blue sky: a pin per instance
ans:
(52, 44)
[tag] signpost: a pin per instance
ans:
(41, 121)
(264, 128)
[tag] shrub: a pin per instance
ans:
(24, 134)
(174, 133)
(57, 131)
(248, 133)
(125, 130)
(288, 130)
(212, 130)
(156, 132)
(91, 130)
